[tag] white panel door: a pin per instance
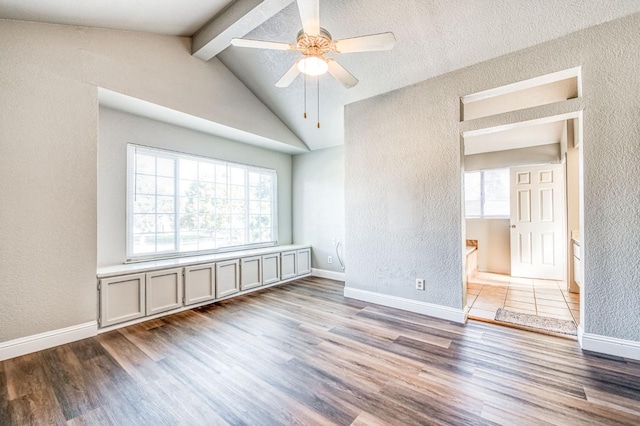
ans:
(537, 222)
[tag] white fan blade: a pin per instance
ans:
(341, 74)
(289, 76)
(310, 16)
(261, 44)
(368, 43)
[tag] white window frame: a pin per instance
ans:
(482, 199)
(132, 150)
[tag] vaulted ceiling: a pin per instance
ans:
(433, 37)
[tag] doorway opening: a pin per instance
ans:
(522, 212)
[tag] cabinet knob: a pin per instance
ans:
(513, 226)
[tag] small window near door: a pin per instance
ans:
(487, 194)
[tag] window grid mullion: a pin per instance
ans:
(247, 234)
(482, 195)
(156, 204)
(176, 204)
(158, 157)
(229, 218)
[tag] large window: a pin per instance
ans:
(487, 193)
(179, 204)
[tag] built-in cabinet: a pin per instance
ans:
(270, 268)
(303, 261)
(122, 299)
(577, 271)
(288, 264)
(227, 278)
(164, 290)
(126, 294)
(251, 276)
(199, 283)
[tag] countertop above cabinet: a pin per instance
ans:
(152, 265)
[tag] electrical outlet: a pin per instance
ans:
(333, 241)
(330, 259)
(419, 284)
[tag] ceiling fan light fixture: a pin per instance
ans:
(313, 65)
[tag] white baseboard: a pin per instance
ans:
(49, 339)
(443, 312)
(332, 275)
(609, 345)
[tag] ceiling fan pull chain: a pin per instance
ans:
(305, 95)
(318, 102)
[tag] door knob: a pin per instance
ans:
(513, 226)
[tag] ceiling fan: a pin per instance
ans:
(314, 42)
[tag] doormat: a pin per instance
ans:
(534, 321)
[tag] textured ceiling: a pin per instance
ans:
(171, 17)
(433, 37)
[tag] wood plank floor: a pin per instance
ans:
(303, 354)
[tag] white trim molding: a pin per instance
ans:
(430, 309)
(46, 340)
(332, 275)
(609, 345)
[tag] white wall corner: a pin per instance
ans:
(49, 339)
(609, 345)
(332, 275)
(424, 308)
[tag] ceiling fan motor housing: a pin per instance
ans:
(314, 45)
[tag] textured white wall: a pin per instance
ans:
(118, 128)
(403, 186)
(402, 195)
(48, 152)
(318, 204)
(494, 244)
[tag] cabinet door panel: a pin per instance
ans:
(303, 262)
(164, 290)
(271, 268)
(121, 299)
(288, 264)
(199, 283)
(227, 278)
(250, 272)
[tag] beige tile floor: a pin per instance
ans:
(486, 292)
